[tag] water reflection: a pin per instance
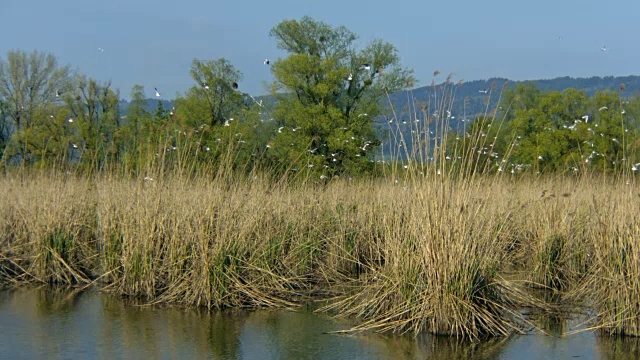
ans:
(39, 323)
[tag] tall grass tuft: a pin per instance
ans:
(614, 284)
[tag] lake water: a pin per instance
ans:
(45, 324)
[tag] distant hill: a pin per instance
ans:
(476, 100)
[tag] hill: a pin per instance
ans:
(470, 98)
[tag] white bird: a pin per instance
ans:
(280, 129)
(227, 123)
(256, 101)
(206, 87)
(586, 119)
(74, 146)
(350, 77)
(267, 62)
(603, 49)
(157, 93)
(484, 91)
(70, 120)
(100, 49)
(366, 66)
(603, 108)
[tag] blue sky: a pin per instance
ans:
(152, 43)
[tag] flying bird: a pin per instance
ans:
(100, 49)
(157, 93)
(267, 62)
(603, 49)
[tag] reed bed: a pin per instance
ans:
(427, 253)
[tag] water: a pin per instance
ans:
(37, 324)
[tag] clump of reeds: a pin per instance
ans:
(614, 283)
(203, 243)
(48, 229)
(550, 221)
(441, 249)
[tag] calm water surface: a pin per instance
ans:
(43, 324)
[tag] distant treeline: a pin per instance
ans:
(332, 112)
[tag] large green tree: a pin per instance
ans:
(328, 94)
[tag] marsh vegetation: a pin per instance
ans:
(432, 254)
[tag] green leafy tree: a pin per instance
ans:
(216, 121)
(328, 95)
(94, 111)
(215, 97)
(29, 83)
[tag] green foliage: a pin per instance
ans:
(29, 88)
(561, 131)
(95, 115)
(328, 94)
(222, 126)
(215, 98)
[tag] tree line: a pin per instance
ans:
(330, 94)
